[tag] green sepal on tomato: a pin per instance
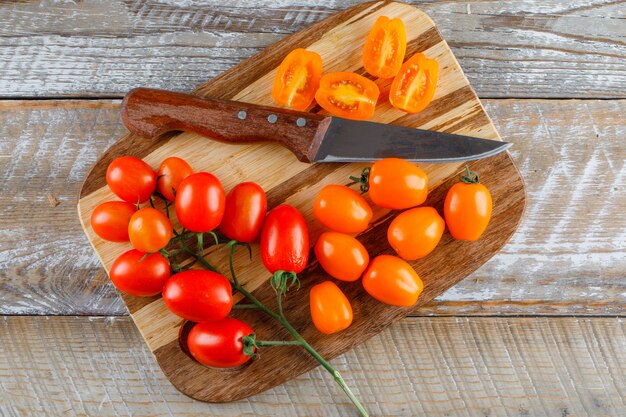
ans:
(198, 295)
(219, 344)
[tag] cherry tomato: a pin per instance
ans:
(414, 87)
(414, 233)
(219, 344)
(149, 230)
(342, 256)
(198, 295)
(397, 184)
(342, 209)
(137, 274)
(385, 48)
(393, 281)
(171, 172)
(246, 205)
(131, 179)
(348, 95)
(467, 208)
(330, 309)
(200, 202)
(297, 79)
(285, 240)
(110, 220)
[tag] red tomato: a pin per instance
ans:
(135, 275)
(342, 209)
(198, 295)
(342, 256)
(246, 206)
(385, 47)
(467, 208)
(171, 172)
(393, 281)
(200, 202)
(331, 311)
(413, 88)
(219, 344)
(297, 79)
(285, 240)
(348, 95)
(131, 179)
(414, 233)
(397, 184)
(149, 230)
(110, 220)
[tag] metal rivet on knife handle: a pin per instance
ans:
(242, 115)
(301, 122)
(272, 118)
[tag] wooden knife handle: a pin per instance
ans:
(150, 113)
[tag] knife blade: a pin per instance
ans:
(311, 137)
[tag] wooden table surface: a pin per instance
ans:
(537, 331)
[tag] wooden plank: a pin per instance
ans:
(337, 40)
(539, 48)
(567, 257)
(419, 366)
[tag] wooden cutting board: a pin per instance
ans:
(339, 40)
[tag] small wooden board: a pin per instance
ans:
(339, 40)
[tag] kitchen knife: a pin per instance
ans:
(311, 137)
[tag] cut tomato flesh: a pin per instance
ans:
(348, 95)
(414, 87)
(385, 48)
(297, 79)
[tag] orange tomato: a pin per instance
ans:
(342, 209)
(467, 208)
(330, 309)
(414, 87)
(342, 256)
(297, 79)
(393, 281)
(149, 230)
(385, 48)
(414, 233)
(348, 95)
(397, 184)
(171, 172)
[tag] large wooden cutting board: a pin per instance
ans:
(339, 40)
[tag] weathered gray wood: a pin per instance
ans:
(569, 256)
(419, 366)
(534, 48)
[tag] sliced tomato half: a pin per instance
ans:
(385, 48)
(297, 79)
(414, 87)
(348, 95)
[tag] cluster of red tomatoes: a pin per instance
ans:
(202, 206)
(299, 79)
(394, 184)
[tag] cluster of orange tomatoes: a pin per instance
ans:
(398, 185)
(346, 94)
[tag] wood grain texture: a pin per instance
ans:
(465, 367)
(533, 48)
(274, 167)
(47, 267)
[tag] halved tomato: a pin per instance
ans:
(297, 79)
(414, 87)
(349, 95)
(385, 47)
